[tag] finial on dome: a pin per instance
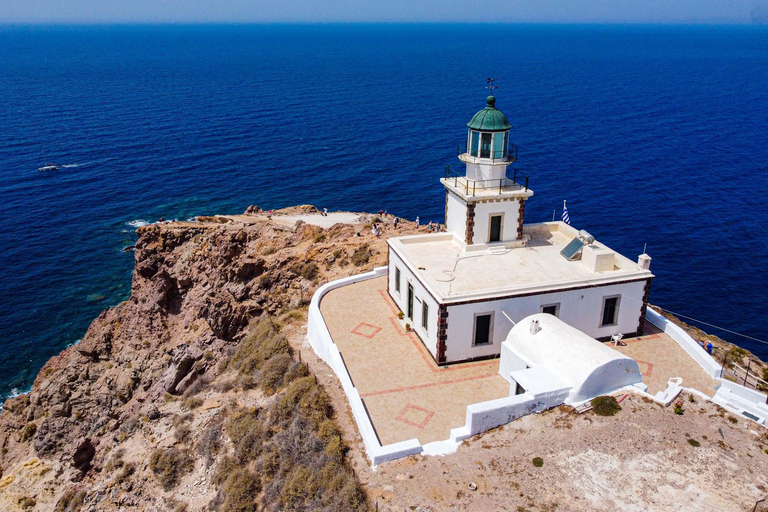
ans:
(490, 100)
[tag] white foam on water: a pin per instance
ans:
(13, 393)
(138, 223)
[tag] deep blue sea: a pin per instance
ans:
(655, 135)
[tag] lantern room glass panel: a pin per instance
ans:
(475, 143)
(498, 144)
(485, 145)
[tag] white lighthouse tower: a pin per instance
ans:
(487, 204)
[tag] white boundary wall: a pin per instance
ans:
(687, 343)
(479, 418)
(729, 395)
(322, 343)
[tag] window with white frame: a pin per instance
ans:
(397, 280)
(610, 313)
(425, 315)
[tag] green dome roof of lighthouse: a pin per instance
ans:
(490, 119)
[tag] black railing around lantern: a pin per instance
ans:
(473, 187)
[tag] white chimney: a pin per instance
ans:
(644, 261)
(535, 326)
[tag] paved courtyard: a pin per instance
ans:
(660, 358)
(406, 394)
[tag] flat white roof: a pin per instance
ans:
(454, 272)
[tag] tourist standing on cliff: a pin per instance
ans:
(417, 222)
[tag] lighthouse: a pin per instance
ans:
(486, 204)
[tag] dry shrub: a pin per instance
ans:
(309, 270)
(240, 490)
(300, 488)
(296, 371)
(210, 444)
(182, 433)
(305, 397)
(200, 384)
(226, 466)
(247, 434)
(273, 373)
(361, 256)
(270, 464)
(295, 444)
(605, 406)
(127, 469)
(263, 342)
(71, 501)
(170, 465)
(26, 502)
(28, 432)
(192, 402)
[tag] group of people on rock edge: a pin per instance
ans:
(376, 229)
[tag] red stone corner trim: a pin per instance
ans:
(470, 229)
(520, 217)
(442, 332)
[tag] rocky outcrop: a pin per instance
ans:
(195, 288)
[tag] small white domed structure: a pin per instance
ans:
(542, 353)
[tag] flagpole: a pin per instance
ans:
(553, 215)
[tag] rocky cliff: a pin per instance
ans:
(189, 394)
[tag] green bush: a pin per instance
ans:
(694, 443)
(169, 466)
(605, 406)
(538, 462)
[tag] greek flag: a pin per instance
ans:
(566, 219)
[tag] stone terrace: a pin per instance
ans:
(660, 358)
(406, 394)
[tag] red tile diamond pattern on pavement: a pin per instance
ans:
(366, 330)
(415, 416)
(645, 368)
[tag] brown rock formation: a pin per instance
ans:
(196, 286)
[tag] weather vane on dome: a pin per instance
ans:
(491, 85)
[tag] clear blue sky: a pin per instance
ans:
(255, 11)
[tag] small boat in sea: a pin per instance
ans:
(49, 167)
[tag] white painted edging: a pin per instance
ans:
(693, 349)
(740, 399)
(322, 343)
(729, 395)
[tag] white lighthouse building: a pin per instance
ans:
(464, 290)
